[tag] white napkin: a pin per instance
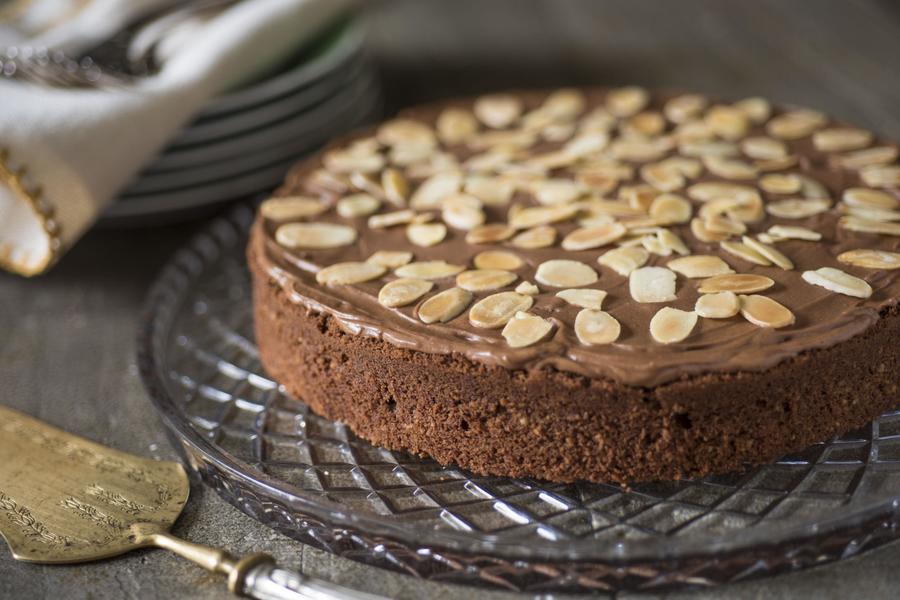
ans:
(80, 147)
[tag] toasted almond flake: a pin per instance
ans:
(765, 238)
(399, 217)
(764, 148)
(639, 149)
(871, 259)
(644, 124)
(401, 292)
(795, 124)
(721, 305)
(291, 208)
(672, 242)
(653, 245)
(840, 139)
(314, 236)
(749, 210)
(685, 107)
(662, 176)
(712, 190)
(583, 298)
(431, 192)
(533, 216)
(776, 164)
(558, 132)
(426, 234)
(395, 186)
(788, 232)
(873, 214)
(497, 259)
(347, 273)
(403, 132)
(498, 110)
(366, 183)
(525, 329)
(503, 140)
(880, 155)
(390, 259)
(719, 208)
(542, 236)
(492, 191)
(595, 327)
(769, 252)
(556, 191)
(883, 177)
(638, 197)
(343, 162)
(776, 183)
(869, 226)
(626, 101)
(671, 325)
(725, 225)
(699, 230)
(708, 149)
(425, 217)
(456, 125)
(727, 122)
(489, 234)
(866, 198)
(699, 265)
(565, 274)
(585, 144)
(757, 109)
(528, 288)
(652, 284)
(745, 252)
(624, 260)
(323, 179)
(835, 280)
(586, 238)
(410, 156)
(357, 205)
(598, 183)
(496, 310)
(797, 208)
(482, 280)
(444, 306)
(462, 211)
(730, 168)
(429, 269)
(762, 311)
(739, 283)
(694, 130)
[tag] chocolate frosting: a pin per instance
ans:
(823, 318)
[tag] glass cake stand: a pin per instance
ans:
(313, 480)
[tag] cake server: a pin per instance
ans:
(64, 499)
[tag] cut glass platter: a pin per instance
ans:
(313, 480)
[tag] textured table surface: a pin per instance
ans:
(66, 339)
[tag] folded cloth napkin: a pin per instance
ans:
(65, 153)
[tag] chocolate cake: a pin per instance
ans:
(611, 285)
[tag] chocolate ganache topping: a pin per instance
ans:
(612, 233)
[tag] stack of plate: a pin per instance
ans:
(242, 143)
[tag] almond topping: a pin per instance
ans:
(670, 209)
(672, 243)
(721, 305)
(719, 224)
(496, 310)
(556, 191)
(739, 283)
(456, 125)
(771, 254)
(347, 273)
(498, 110)
(663, 177)
(762, 311)
(729, 168)
(431, 192)
(489, 234)
(399, 217)
(869, 157)
(869, 226)
(841, 139)
(497, 259)
(685, 107)
(745, 252)
(426, 234)
(780, 184)
(291, 208)
(882, 177)
(624, 260)
(670, 325)
(700, 265)
(528, 288)
(583, 298)
(700, 231)
(537, 237)
(797, 209)
(788, 232)
(345, 161)
(836, 280)
(444, 306)
(542, 215)
(595, 327)
(395, 186)
(727, 122)
(462, 211)
(711, 190)
(756, 109)
(482, 280)
(357, 205)
(390, 259)
(492, 191)
(626, 101)
(565, 274)
(871, 259)
(764, 148)
(652, 284)
(314, 235)
(401, 292)
(795, 124)
(525, 329)
(586, 238)
(430, 269)
(866, 198)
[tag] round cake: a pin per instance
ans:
(604, 284)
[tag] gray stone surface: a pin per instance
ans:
(67, 339)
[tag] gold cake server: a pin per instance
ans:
(64, 499)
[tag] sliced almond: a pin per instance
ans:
(533, 216)
(866, 198)
(426, 234)
(841, 139)
(745, 252)
(405, 132)
(671, 209)
(663, 177)
(873, 214)
(431, 192)
(652, 284)
(595, 327)
(706, 149)
(739, 283)
(837, 281)
(498, 110)
(776, 164)
(492, 191)
(401, 292)
(429, 269)
(323, 179)
(314, 236)
(796, 124)
(797, 208)
(757, 109)
(537, 237)
(412, 156)
(788, 232)
(671, 325)
(398, 217)
(762, 311)
(780, 184)
(700, 265)
(497, 259)
(556, 191)
(347, 273)
(685, 107)
(626, 101)
(583, 298)
(730, 168)
(456, 125)
(881, 176)
(291, 208)
(565, 274)
(639, 149)
(712, 190)
(462, 211)
(528, 288)
(496, 310)
(653, 245)
(721, 305)
(586, 238)
(366, 183)
(482, 280)
(869, 226)
(357, 205)
(525, 329)
(871, 259)
(624, 260)
(390, 259)
(344, 162)
(489, 234)
(725, 225)
(727, 122)
(395, 186)
(672, 242)
(700, 231)
(764, 148)
(769, 252)
(880, 155)
(749, 209)
(444, 306)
